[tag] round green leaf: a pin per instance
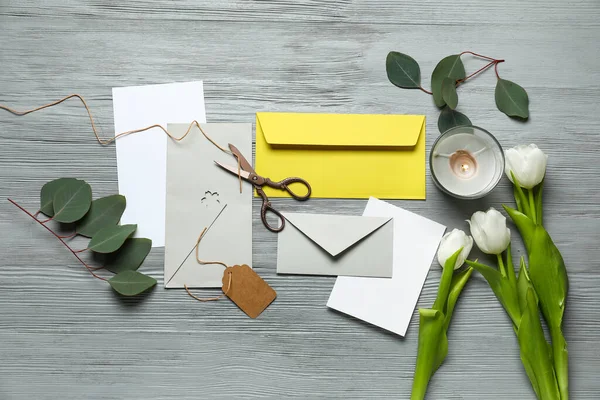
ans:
(111, 238)
(402, 70)
(104, 212)
(449, 92)
(450, 67)
(450, 118)
(131, 283)
(47, 194)
(129, 257)
(72, 201)
(512, 99)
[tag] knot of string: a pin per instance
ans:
(105, 142)
(201, 262)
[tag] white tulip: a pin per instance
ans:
(528, 163)
(450, 243)
(489, 231)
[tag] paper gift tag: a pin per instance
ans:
(248, 290)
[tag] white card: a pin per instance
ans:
(389, 302)
(142, 157)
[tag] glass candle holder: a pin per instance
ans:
(466, 162)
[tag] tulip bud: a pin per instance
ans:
(450, 243)
(527, 163)
(489, 231)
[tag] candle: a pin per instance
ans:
(466, 162)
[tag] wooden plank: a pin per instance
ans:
(65, 335)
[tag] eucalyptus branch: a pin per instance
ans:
(404, 72)
(69, 201)
(60, 239)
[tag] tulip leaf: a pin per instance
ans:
(449, 92)
(449, 67)
(458, 283)
(104, 212)
(131, 283)
(524, 224)
(450, 118)
(431, 351)
(72, 201)
(111, 238)
(535, 352)
(402, 70)
(47, 194)
(129, 257)
(502, 288)
(520, 197)
(548, 275)
(512, 99)
(523, 284)
(446, 282)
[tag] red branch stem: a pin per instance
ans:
(425, 90)
(68, 236)
(496, 70)
(478, 55)
(480, 70)
(60, 239)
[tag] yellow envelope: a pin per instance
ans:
(344, 155)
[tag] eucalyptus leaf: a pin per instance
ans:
(450, 118)
(72, 201)
(450, 67)
(449, 92)
(512, 99)
(106, 211)
(47, 194)
(111, 238)
(402, 70)
(131, 283)
(129, 257)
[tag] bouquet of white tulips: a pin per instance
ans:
(544, 284)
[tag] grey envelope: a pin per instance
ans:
(320, 244)
(197, 190)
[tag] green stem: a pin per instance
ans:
(501, 266)
(561, 361)
(533, 215)
(420, 382)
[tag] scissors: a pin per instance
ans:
(247, 173)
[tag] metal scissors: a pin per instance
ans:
(247, 173)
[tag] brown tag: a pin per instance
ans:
(248, 290)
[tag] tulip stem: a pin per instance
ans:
(532, 206)
(501, 265)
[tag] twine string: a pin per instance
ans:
(106, 142)
(201, 262)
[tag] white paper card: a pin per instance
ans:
(142, 157)
(389, 303)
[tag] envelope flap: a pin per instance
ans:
(305, 129)
(335, 233)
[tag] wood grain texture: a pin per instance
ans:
(64, 335)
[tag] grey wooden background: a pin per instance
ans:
(64, 335)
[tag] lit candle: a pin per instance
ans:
(466, 162)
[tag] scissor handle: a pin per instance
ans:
(266, 207)
(284, 185)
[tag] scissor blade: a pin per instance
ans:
(243, 162)
(234, 170)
